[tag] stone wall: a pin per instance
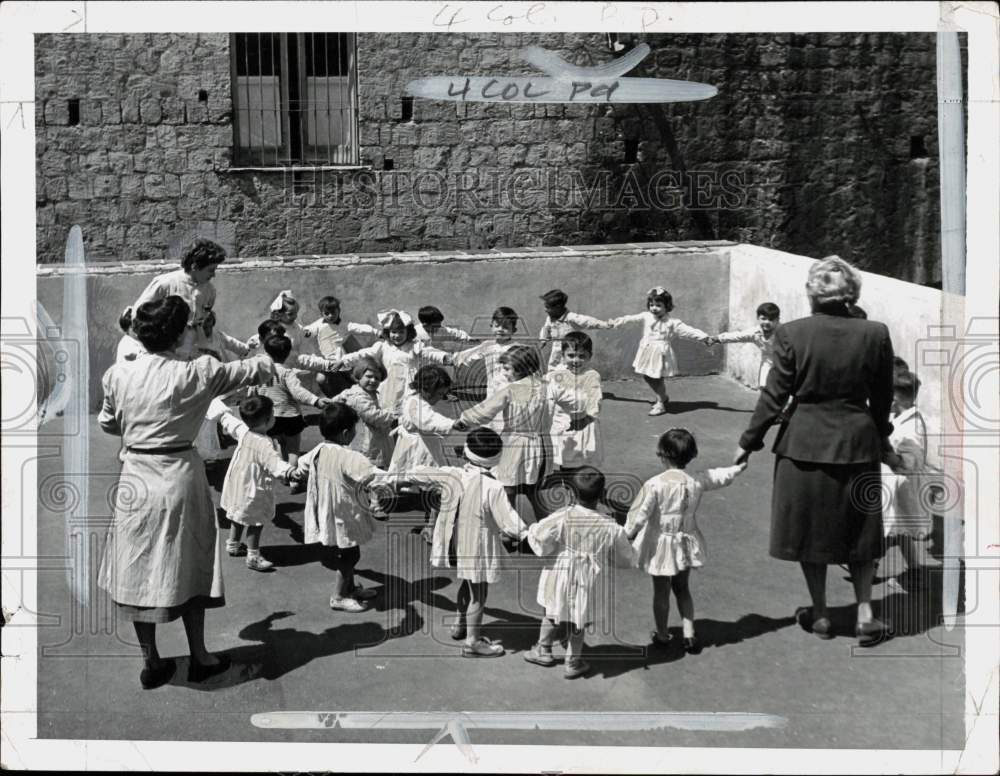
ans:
(815, 144)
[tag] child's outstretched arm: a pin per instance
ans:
(485, 411)
(712, 479)
(545, 536)
(643, 509)
(435, 355)
(624, 554)
(506, 517)
(587, 321)
(301, 394)
(315, 363)
(624, 320)
(233, 345)
(684, 331)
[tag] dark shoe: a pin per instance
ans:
(823, 628)
(872, 632)
(151, 678)
(659, 641)
(692, 646)
(199, 673)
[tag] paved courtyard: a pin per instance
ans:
(291, 652)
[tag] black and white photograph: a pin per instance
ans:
(512, 387)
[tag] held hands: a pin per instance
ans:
(741, 458)
(323, 403)
(711, 342)
(460, 425)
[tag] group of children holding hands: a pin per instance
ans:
(383, 432)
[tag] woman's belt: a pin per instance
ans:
(167, 450)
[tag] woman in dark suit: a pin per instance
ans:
(826, 505)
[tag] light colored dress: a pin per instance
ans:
(162, 549)
(489, 353)
(199, 296)
(474, 514)
(420, 435)
(248, 490)
(575, 403)
(655, 356)
(554, 331)
(578, 545)
(128, 348)
(400, 363)
(333, 515)
(905, 509)
(669, 540)
(371, 437)
(764, 344)
(332, 337)
(524, 406)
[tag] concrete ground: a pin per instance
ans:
(291, 652)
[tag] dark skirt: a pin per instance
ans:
(287, 426)
(826, 513)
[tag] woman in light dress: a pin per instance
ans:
(162, 559)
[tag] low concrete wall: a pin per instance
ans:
(603, 281)
(911, 312)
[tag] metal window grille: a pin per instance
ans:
(295, 98)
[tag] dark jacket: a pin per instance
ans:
(839, 371)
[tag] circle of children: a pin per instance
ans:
(383, 433)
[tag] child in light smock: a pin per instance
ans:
(580, 546)
(431, 329)
(575, 395)
(248, 490)
(371, 437)
(655, 359)
(400, 354)
(768, 318)
(336, 514)
(469, 534)
(332, 334)
(559, 322)
(503, 325)
(906, 518)
(665, 534)
(523, 404)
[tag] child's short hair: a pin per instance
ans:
(335, 419)
(906, 384)
(430, 315)
(522, 359)
(578, 340)
(367, 364)
(899, 365)
(328, 303)
(202, 253)
(587, 483)
(677, 445)
(769, 310)
(430, 378)
(505, 316)
(395, 320)
(268, 328)
(256, 409)
(660, 295)
(278, 346)
(555, 298)
(125, 320)
(484, 442)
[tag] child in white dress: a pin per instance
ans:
(475, 521)
(575, 395)
(332, 335)
(523, 404)
(655, 359)
(906, 518)
(503, 326)
(422, 430)
(248, 490)
(768, 318)
(579, 545)
(665, 533)
(336, 514)
(559, 322)
(400, 354)
(431, 330)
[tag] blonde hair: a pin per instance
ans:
(833, 280)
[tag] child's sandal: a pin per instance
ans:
(540, 656)
(458, 631)
(576, 668)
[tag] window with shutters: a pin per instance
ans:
(295, 99)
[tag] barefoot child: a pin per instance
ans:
(768, 318)
(560, 322)
(248, 490)
(579, 544)
(334, 513)
(655, 359)
(905, 516)
(475, 518)
(664, 531)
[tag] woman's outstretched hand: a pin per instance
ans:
(742, 457)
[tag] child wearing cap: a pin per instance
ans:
(560, 322)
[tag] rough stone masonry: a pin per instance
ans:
(815, 144)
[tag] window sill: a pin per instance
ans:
(302, 168)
